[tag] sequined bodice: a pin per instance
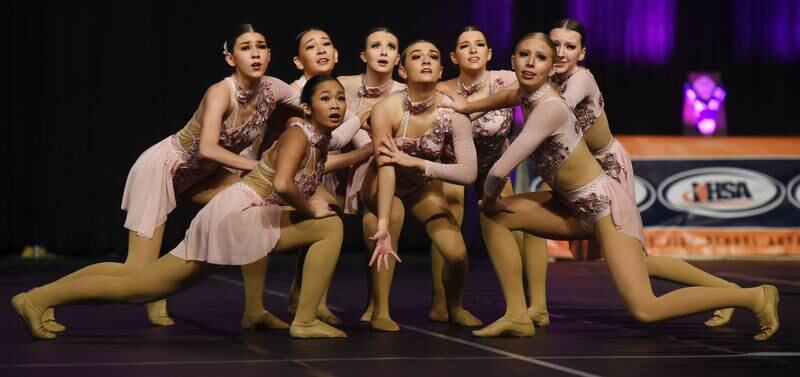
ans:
(586, 111)
(231, 137)
(490, 131)
(430, 146)
(307, 178)
(556, 148)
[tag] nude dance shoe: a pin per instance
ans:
(540, 319)
(49, 321)
(157, 313)
(506, 327)
(768, 315)
(31, 316)
(462, 317)
(263, 320)
(316, 329)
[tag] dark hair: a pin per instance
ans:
(405, 52)
(230, 42)
(303, 33)
(311, 85)
(541, 36)
(470, 28)
(378, 29)
(574, 25)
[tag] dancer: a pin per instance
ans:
(471, 54)
(580, 90)
(381, 54)
(585, 202)
(316, 54)
(413, 121)
(242, 224)
(232, 114)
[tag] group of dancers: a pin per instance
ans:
(263, 156)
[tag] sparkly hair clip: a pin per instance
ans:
(225, 48)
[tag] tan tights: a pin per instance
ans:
(623, 255)
(431, 209)
(454, 194)
(170, 274)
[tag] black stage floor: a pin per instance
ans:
(591, 332)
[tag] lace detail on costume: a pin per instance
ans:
(548, 157)
(468, 90)
(232, 138)
(490, 131)
(585, 117)
(611, 165)
(308, 178)
(586, 201)
(431, 146)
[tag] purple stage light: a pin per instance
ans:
(703, 111)
(707, 126)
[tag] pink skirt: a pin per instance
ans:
(602, 197)
(237, 227)
(354, 187)
(149, 195)
(616, 162)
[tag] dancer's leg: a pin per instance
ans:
(369, 223)
(454, 194)
(324, 238)
(255, 315)
(537, 212)
(629, 271)
(431, 209)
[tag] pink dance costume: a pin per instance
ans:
(548, 138)
(174, 164)
(490, 131)
(448, 125)
(340, 137)
(242, 223)
(356, 100)
(582, 94)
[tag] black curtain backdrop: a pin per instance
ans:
(88, 87)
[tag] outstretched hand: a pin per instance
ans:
(383, 249)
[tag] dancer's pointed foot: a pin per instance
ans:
(506, 326)
(768, 315)
(720, 318)
(540, 319)
(316, 329)
(263, 320)
(462, 317)
(49, 321)
(325, 315)
(157, 313)
(31, 316)
(383, 324)
(723, 316)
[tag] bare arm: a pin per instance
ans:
(215, 103)
(382, 130)
(292, 147)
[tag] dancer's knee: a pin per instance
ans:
(643, 311)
